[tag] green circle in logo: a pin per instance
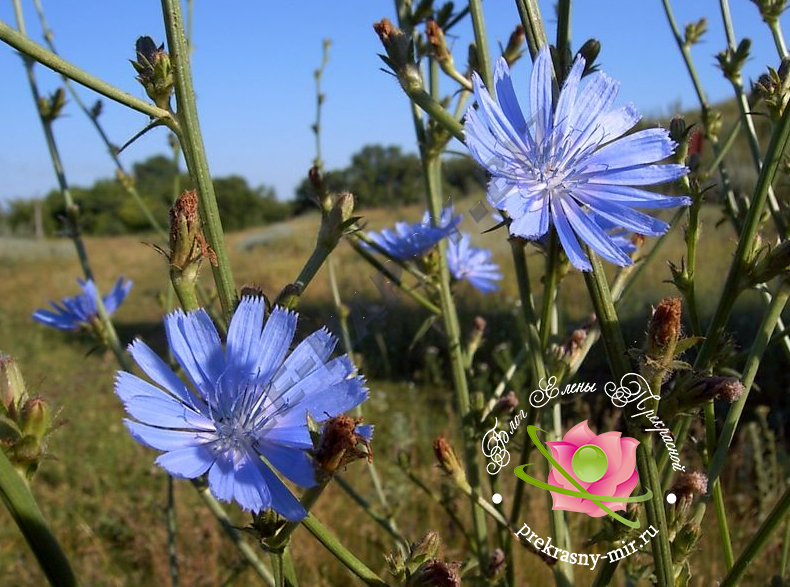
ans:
(589, 463)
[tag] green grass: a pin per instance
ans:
(105, 497)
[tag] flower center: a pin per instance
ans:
(589, 463)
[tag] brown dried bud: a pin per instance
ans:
(448, 462)
(396, 43)
(437, 41)
(689, 484)
(505, 404)
(515, 46)
(436, 573)
(496, 562)
(185, 236)
(664, 328)
(340, 443)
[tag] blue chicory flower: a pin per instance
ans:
(473, 264)
(79, 310)
(410, 241)
(562, 165)
(245, 402)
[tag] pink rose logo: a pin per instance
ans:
(603, 464)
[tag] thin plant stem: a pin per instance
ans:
(746, 242)
(723, 148)
(331, 543)
(529, 11)
(385, 522)
(111, 149)
(33, 50)
(759, 541)
(432, 167)
(244, 548)
(188, 132)
(779, 38)
(785, 550)
(748, 123)
(172, 550)
(760, 343)
(107, 331)
(716, 490)
(614, 344)
(23, 508)
(481, 42)
(563, 35)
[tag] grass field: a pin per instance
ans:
(105, 498)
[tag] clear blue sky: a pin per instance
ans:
(253, 64)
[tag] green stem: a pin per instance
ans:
(38, 53)
(385, 522)
(529, 11)
(410, 291)
(563, 37)
(188, 132)
(432, 167)
(751, 132)
(481, 42)
(550, 289)
(779, 38)
(716, 491)
(758, 542)
(746, 242)
(172, 551)
(723, 149)
(331, 543)
(230, 529)
(614, 345)
(434, 109)
(28, 517)
(758, 347)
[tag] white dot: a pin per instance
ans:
(671, 498)
(496, 498)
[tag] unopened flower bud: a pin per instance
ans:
(505, 404)
(435, 573)
(396, 43)
(448, 462)
(769, 262)
(731, 62)
(699, 391)
(427, 548)
(770, 10)
(694, 31)
(589, 51)
(154, 71)
(340, 443)
(96, 109)
(437, 42)
(663, 332)
(36, 418)
(515, 46)
(50, 107)
(685, 541)
(496, 562)
(475, 338)
(13, 392)
(711, 122)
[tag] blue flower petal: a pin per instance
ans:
(593, 235)
(283, 501)
(166, 439)
(294, 464)
(186, 463)
(645, 146)
(244, 337)
(160, 373)
(507, 97)
(540, 94)
(640, 175)
(570, 244)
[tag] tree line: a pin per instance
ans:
(377, 175)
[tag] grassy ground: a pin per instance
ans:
(105, 497)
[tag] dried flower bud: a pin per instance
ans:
(187, 244)
(768, 262)
(448, 462)
(475, 338)
(688, 486)
(694, 31)
(396, 43)
(505, 404)
(435, 573)
(437, 42)
(154, 71)
(496, 562)
(515, 46)
(13, 392)
(340, 443)
(664, 327)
